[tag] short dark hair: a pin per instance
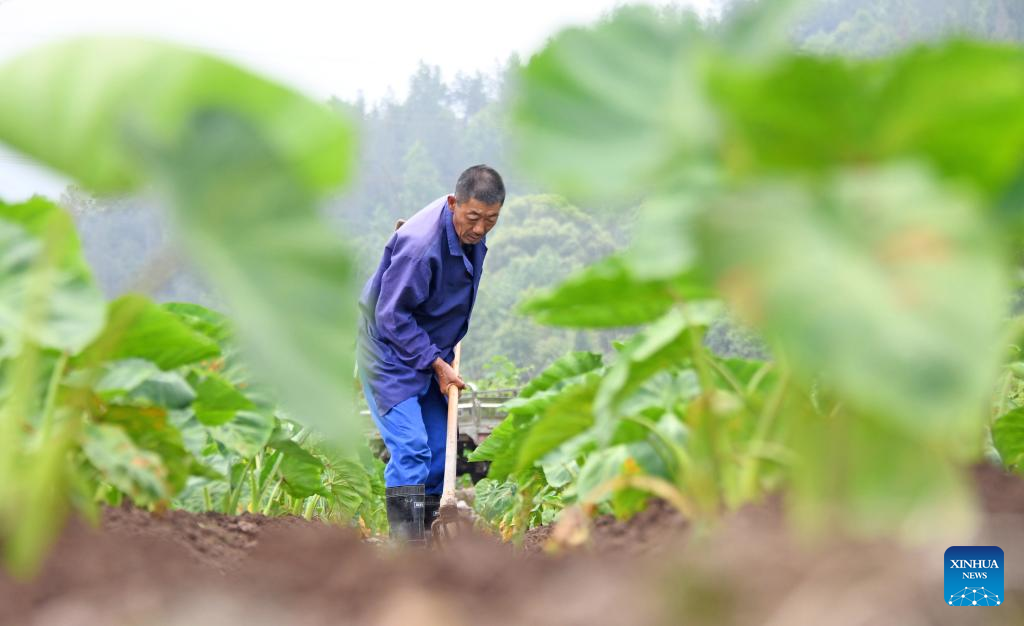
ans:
(480, 182)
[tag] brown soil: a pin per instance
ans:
(178, 568)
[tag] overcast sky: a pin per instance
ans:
(322, 47)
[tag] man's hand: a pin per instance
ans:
(446, 376)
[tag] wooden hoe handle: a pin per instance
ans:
(451, 443)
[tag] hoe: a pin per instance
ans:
(450, 523)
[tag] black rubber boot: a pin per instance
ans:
(405, 514)
(431, 506)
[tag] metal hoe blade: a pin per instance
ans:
(450, 524)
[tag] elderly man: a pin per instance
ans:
(415, 308)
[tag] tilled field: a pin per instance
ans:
(178, 568)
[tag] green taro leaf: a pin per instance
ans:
(150, 429)
(246, 433)
(815, 113)
(494, 499)
(244, 163)
(505, 446)
(218, 401)
(1008, 437)
(566, 417)
(255, 228)
(47, 294)
(608, 464)
(564, 368)
(302, 472)
(608, 294)
(214, 325)
(538, 402)
(667, 344)
(602, 109)
(166, 389)
(138, 473)
(560, 474)
(122, 87)
(120, 377)
(501, 447)
(883, 285)
(662, 392)
(138, 328)
(348, 481)
(662, 254)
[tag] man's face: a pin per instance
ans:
(473, 219)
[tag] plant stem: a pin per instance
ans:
(748, 476)
(236, 493)
(12, 419)
(254, 493)
(707, 413)
(273, 497)
(311, 503)
(49, 406)
(258, 498)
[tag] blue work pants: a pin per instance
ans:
(414, 431)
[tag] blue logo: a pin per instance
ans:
(974, 576)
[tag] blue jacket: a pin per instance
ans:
(417, 305)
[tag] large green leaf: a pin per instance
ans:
(138, 328)
(346, 478)
(540, 401)
(883, 285)
(504, 447)
(665, 345)
(73, 105)
(243, 162)
(607, 464)
(608, 294)
(218, 401)
(43, 219)
(123, 376)
(501, 447)
(138, 473)
(214, 325)
(564, 377)
(563, 369)
(253, 226)
(560, 474)
(47, 294)
(1008, 438)
(817, 113)
(569, 415)
(664, 391)
(494, 499)
(149, 429)
(140, 382)
(302, 472)
(603, 109)
(246, 433)
(165, 389)
(662, 253)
